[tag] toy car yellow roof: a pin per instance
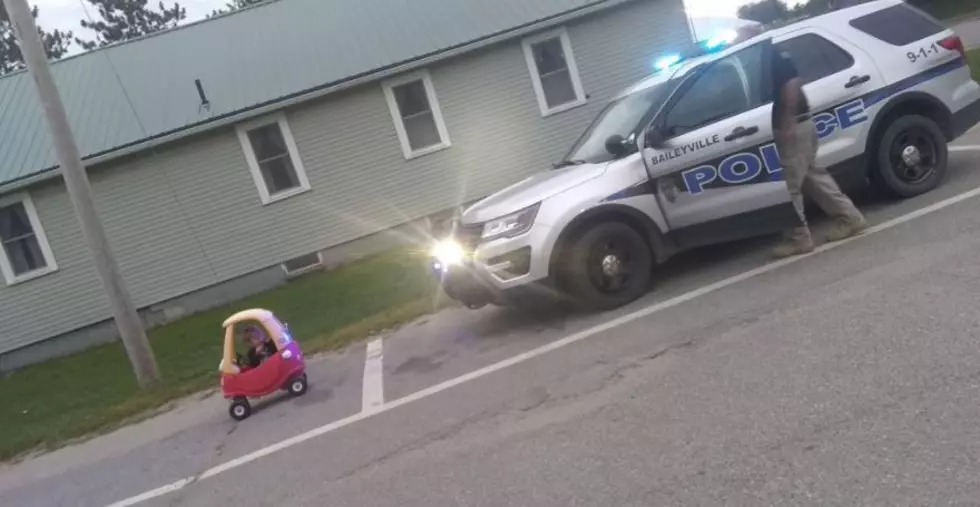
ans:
(255, 314)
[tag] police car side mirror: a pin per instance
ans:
(654, 137)
(616, 146)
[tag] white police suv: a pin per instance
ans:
(686, 157)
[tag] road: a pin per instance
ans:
(969, 31)
(848, 377)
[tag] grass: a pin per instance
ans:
(948, 9)
(973, 58)
(94, 391)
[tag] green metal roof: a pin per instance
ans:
(129, 93)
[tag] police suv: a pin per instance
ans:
(686, 157)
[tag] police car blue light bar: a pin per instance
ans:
(666, 62)
(715, 43)
(721, 40)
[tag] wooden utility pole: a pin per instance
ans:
(76, 181)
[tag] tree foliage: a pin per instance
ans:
(128, 19)
(56, 43)
(234, 6)
(766, 12)
(775, 12)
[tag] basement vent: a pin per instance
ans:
(303, 264)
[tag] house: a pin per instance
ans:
(225, 155)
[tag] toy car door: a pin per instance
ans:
(265, 378)
(710, 153)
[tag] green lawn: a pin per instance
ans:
(947, 9)
(973, 57)
(50, 403)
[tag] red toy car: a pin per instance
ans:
(285, 369)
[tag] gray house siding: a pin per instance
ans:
(188, 216)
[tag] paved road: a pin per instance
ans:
(847, 378)
(969, 31)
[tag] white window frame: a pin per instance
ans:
(396, 116)
(532, 67)
(303, 270)
(253, 164)
(6, 267)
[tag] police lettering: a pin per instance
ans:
(735, 170)
(701, 144)
(744, 167)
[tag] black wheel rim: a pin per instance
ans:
(610, 265)
(913, 155)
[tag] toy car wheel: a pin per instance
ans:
(911, 157)
(609, 265)
(240, 409)
(297, 387)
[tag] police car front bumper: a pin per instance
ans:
(498, 272)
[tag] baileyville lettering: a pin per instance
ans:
(686, 149)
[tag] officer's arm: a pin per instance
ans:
(792, 95)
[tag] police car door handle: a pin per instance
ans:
(857, 80)
(741, 132)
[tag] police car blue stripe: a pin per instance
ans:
(882, 94)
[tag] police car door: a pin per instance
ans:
(710, 156)
(837, 77)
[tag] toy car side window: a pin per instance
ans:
(730, 86)
(815, 57)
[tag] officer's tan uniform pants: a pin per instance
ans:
(798, 153)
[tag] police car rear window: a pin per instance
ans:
(899, 25)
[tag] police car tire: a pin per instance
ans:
(885, 178)
(577, 282)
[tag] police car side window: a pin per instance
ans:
(730, 86)
(815, 57)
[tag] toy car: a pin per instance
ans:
(284, 370)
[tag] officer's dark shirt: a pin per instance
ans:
(783, 71)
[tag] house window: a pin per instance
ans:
(554, 74)
(415, 111)
(303, 264)
(25, 249)
(273, 158)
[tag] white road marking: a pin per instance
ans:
(965, 147)
(531, 354)
(373, 388)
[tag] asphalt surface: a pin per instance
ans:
(969, 31)
(851, 377)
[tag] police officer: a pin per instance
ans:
(796, 140)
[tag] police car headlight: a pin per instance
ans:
(511, 225)
(448, 252)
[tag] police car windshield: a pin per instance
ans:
(621, 116)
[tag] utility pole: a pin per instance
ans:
(76, 181)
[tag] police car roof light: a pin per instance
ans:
(721, 40)
(667, 61)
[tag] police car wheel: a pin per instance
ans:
(911, 157)
(609, 265)
(240, 409)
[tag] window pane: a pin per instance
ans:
(558, 88)
(411, 98)
(720, 92)
(815, 57)
(25, 255)
(899, 25)
(422, 131)
(549, 56)
(267, 141)
(14, 222)
(279, 174)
